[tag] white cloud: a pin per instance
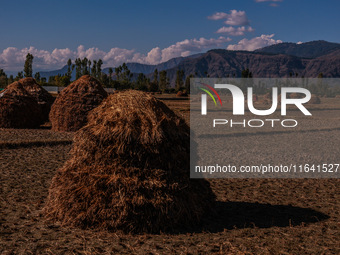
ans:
(299, 42)
(254, 43)
(187, 47)
(235, 31)
(12, 59)
(234, 18)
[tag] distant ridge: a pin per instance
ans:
(311, 49)
(279, 60)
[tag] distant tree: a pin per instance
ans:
(320, 75)
(118, 70)
(99, 69)
(89, 66)
(28, 69)
(142, 82)
(10, 79)
(105, 80)
(3, 79)
(78, 68)
(155, 76)
(70, 68)
(37, 77)
(94, 69)
(246, 74)
(179, 79)
(163, 81)
(20, 75)
(123, 77)
(84, 63)
(187, 82)
(110, 75)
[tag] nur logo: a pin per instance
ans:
(239, 99)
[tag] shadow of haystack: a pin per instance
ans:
(129, 171)
(20, 107)
(231, 215)
(70, 109)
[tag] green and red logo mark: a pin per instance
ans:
(209, 93)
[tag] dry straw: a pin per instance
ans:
(70, 109)
(129, 171)
(24, 104)
(44, 99)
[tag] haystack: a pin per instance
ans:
(18, 109)
(181, 94)
(70, 109)
(29, 85)
(129, 171)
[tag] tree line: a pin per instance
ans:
(122, 78)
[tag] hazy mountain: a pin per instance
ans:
(61, 71)
(133, 67)
(312, 49)
(306, 59)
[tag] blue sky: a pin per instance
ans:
(154, 31)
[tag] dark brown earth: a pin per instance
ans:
(251, 216)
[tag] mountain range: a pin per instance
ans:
(279, 60)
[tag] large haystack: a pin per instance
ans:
(70, 109)
(129, 170)
(18, 109)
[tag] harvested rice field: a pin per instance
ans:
(250, 216)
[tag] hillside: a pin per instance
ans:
(280, 60)
(312, 49)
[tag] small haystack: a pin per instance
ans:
(18, 109)
(314, 100)
(70, 109)
(181, 94)
(44, 99)
(129, 171)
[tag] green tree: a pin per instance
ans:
(187, 82)
(70, 68)
(78, 68)
(110, 76)
(179, 79)
(142, 82)
(10, 79)
(99, 69)
(84, 63)
(163, 81)
(246, 74)
(94, 69)
(37, 77)
(20, 75)
(28, 69)
(3, 79)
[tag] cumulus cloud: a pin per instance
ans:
(12, 58)
(234, 18)
(254, 43)
(234, 31)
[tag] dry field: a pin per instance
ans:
(251, 216)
